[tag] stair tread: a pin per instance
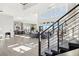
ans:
(54, 50)
(74, 41)
(48, 52)
(64, 46)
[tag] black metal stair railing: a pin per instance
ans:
(61, 32)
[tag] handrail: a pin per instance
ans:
(67, 20)
(60, 18)
(59, 23)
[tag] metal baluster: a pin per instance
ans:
(78, 32)
(58, 37)
(48, 40)
(62, 33)
(73, 32)
(39, 41)
(53, 29)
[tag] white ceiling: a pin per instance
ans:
(29, 11)
(16, 9)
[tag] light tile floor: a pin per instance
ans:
(24, 44)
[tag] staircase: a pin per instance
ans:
(62, 36)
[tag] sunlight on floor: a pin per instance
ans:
(23, 36)
(21, 49)
(13, 45)
(31, 44)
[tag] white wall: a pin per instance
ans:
(6, 24)
(28, 19)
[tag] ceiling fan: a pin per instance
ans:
(24, 4)
(1, 10)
